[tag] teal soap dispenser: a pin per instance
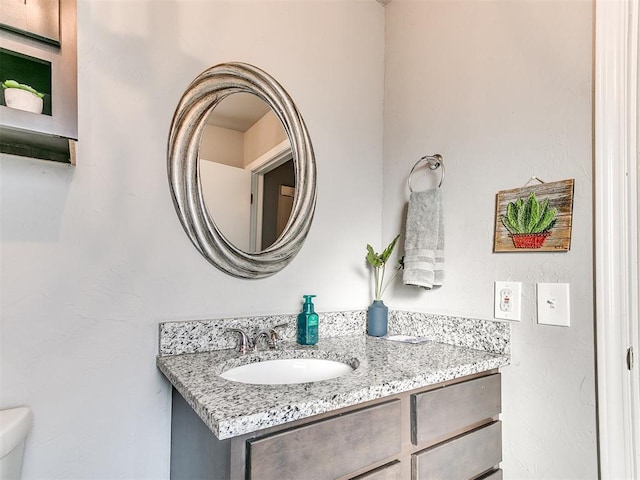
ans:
(308, 323)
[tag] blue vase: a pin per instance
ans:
(377, 319)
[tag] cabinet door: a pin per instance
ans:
(462, 458)
(39, 18)
(329, 448)
(444, 412)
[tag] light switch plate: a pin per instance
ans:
(553, 304)
(507, 300)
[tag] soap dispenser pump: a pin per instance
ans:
(308, 323)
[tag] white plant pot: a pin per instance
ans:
(23, 100)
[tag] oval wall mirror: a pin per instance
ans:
(241, 170)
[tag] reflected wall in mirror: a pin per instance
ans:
(247, 172)
(279, 160)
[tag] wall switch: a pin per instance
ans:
(507, 300)
(553, 304)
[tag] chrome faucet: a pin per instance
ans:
(245, 344)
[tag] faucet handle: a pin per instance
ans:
(274, 337)
(270, 335)
(245, 344)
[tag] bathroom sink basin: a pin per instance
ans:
(287, 371)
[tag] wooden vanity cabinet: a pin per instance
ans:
(330, 448)
(459, 423)
(446, 431)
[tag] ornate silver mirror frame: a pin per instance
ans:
(189, 120)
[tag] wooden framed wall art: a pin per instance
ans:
(534, 218)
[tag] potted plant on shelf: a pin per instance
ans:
(22, 97)
(529, 222)
(377, 313)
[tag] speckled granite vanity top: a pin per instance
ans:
(385, 368)
(194, 353)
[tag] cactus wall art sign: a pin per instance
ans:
(534, 219)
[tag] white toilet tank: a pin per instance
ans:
(14, 426)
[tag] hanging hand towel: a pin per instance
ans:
(424, 240)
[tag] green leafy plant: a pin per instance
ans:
(529, 216)
(379, 262)
(21, 86)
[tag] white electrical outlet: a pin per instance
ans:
(553, 304)
(507, 300)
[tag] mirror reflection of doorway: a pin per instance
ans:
(277, 201)
(243, 143)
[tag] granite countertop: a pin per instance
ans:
(384, 368)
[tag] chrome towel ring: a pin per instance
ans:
(433, 162)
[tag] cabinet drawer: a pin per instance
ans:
(390, 471)
(328, 448)
(439, 414)
(462, 458)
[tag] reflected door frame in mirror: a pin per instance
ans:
(189, 120)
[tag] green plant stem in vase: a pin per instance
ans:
(379, 262)
(377, 313)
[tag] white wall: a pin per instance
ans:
(226, 192)
(262, 136)
(222, 145)
(502, 89)
(93, 256)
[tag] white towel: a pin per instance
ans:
(424, 240)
